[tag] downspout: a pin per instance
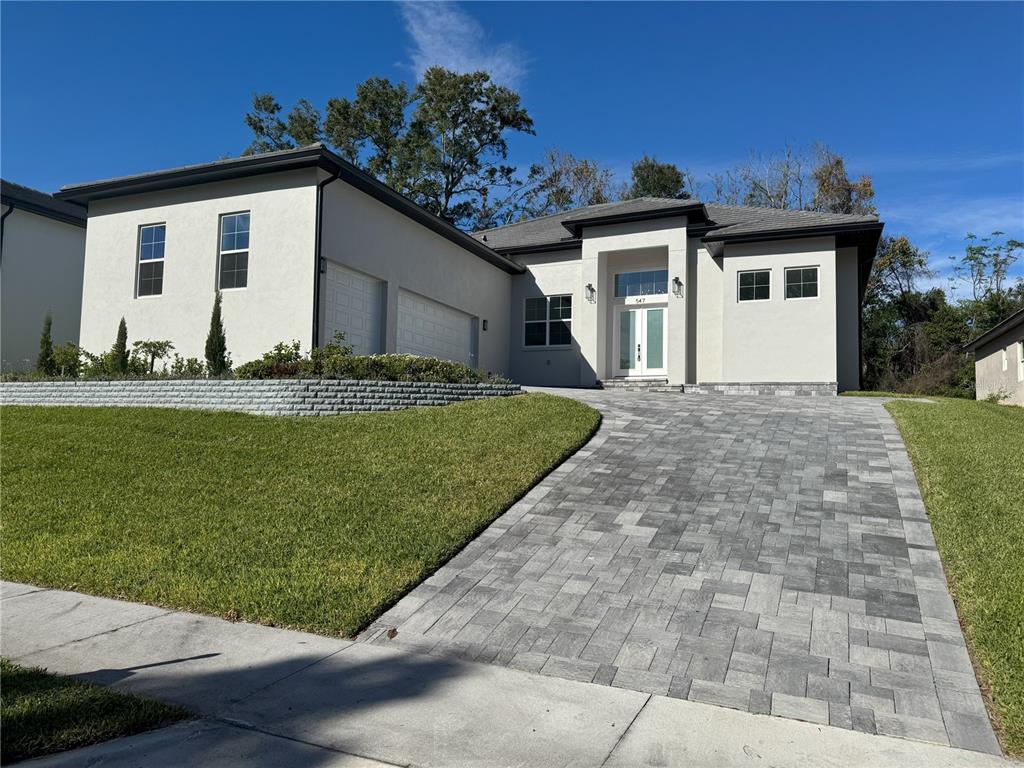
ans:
(8, 212)
(318, 262)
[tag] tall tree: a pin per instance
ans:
(119, 352)
(985, 266)
(560, 182)
(834, 192)
(218, 362)
(651, 178)
(45, 363)
(443, 143)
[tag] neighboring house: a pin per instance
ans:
(303, 243)
(42, 250)
(999, 360)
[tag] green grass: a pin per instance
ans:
(44, 713)
(878, 393)
(313, 523)
(969, 460)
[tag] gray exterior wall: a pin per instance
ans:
(276, 397)
(42, 272)
(990, 378)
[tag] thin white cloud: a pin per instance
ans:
(954, 217)
(952, 163)
(445, 35)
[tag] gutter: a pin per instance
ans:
(8, 212)
(318, 262)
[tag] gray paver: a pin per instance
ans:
(762, 553)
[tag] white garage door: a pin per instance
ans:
(353, 304)
(434, 330)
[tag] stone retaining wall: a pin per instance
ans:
(792, 389)
(274, 397)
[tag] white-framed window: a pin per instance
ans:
(650, 283)
(547, 321)
(233, 259)
(801, 282)
(754, 285)
(149, 271)
(1004, 356)
(1020, 360)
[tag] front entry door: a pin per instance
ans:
(640, 343)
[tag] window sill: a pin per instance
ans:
(547, 348)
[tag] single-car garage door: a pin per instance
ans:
(434, 330)
(353, 304)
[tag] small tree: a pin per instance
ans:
(119, 352)
(153, 349)
(45, 363)
(68, 360)
(218, 362)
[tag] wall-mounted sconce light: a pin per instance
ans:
(484, 324)
(591, 293)
(677, 287)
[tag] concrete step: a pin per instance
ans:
(639, 385)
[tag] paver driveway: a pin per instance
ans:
(766, 554)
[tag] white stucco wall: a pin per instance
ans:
(42, 272)
(780, 340)
(990, 378)
(277, 304)
(708, 295)
(366, 235)
(548, 274)
(847, 320)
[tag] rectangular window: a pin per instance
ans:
(651, 283)
(548, 321)
(234, 251)
(1004, 359)
(801, 282)
(152, 240)
(1020, 361)
(755, 285)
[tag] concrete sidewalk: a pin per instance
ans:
(267, 696)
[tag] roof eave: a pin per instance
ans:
(306, 157)
(1008, 324)
(575, 226)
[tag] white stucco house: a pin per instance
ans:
(302, 243)
(42, 253)
(999, 361)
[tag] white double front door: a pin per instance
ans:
(640, 341)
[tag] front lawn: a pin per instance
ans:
(44, 713)
(314, 523)
(969, 460)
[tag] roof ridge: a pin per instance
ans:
(546, 216)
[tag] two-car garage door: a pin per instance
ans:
(354, 303)
(431, 329)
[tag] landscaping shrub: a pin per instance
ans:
(336, 361)
(119, 359)
(45, 364)
(218, 361)
(187, 368)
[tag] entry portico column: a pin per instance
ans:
(591, 326)
(677, 306)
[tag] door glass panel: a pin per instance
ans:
(627, 340)
(655, 321)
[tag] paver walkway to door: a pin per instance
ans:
(765, 554)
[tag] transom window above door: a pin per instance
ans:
(652, 283)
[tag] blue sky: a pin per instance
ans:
(928, 99)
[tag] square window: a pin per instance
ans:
(535, 334)
(559, 333)
(755, 285)
(151, 278)
(234, 270)
(801, 283)
(536, 309)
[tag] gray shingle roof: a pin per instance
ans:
(727, 220)
(41, 203)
